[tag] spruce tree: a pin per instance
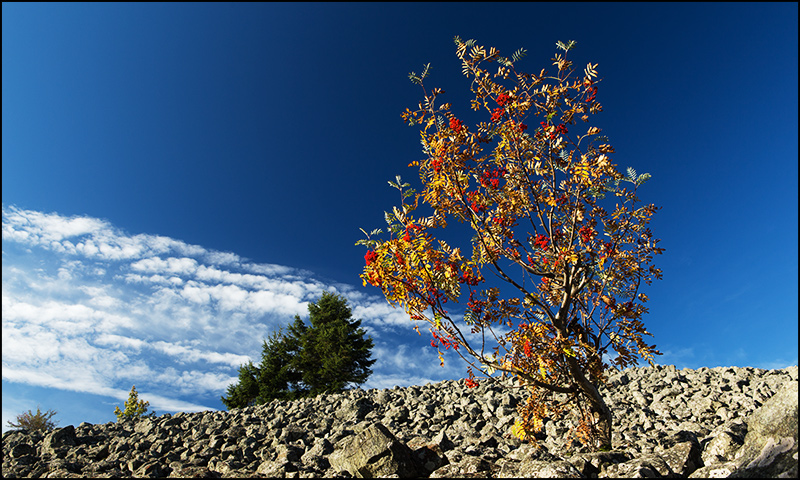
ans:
(335, 352)
(325, 357)
(244, 393)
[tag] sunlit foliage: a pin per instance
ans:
(134, 408)
(551, 217)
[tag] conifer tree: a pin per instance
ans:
(134, 408)
(275, 377)
(334, 351)
(325, 357)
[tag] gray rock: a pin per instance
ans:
(770, 447)
(467, 467)
(724, 442)
(593, 464)
(375, 452)
(709, 422)
(539, 469)
(646, 466)
(60, 437)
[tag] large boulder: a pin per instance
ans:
(60, 437)
(431, 454)
(375, 452)
(770, 445)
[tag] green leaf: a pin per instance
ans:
(469, 317)
(631, 174)
(518, 54)
(426, 70)
(566, 47)
(398, 185)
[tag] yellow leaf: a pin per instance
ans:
(518, 431)
(537, 424)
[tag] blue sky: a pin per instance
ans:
(180, 180)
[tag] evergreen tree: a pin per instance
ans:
(335, 352)
(325, 357)
(245, 392)
(275, 377)
(134, 408)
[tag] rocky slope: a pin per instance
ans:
(716, 422)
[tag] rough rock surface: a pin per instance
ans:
(718, 422)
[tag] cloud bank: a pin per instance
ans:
(89, 308)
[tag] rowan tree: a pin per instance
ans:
(34, 421)
(559, 227)
(326, 356)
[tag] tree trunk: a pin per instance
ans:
(603, 421)
(601, 414)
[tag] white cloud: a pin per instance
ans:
(175, 266)
(222, 258)
(89, 308)
(188, 354)
(120, 342)
(383, 315)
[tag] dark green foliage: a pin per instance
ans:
(38, 421)
(324, 357)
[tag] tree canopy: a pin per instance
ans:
(325, 357)
(560, 231)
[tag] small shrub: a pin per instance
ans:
(39, 421)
